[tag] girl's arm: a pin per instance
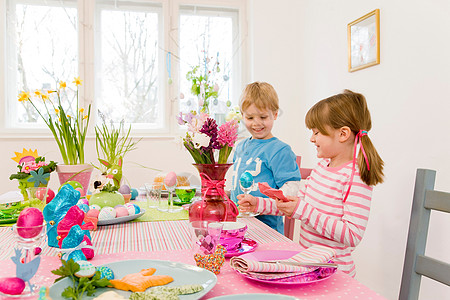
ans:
(347, 229)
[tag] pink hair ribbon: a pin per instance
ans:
(208, 188)
(358, 137)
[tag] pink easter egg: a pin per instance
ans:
(170, 179)
(93, 213)
(80, 190)
(121, 211)
(40, 193)
(28, 222)
(50, 195)
(12, 285)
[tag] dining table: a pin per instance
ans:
(170, 240)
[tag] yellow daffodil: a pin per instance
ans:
(24, 96)
(44, 97)
(81, 110)
(85, 117)
(62, 84)
(50, 91)
(69, 116)
(77, 81)
(37, 93)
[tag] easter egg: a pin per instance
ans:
(125, 189)
(50, 195)
(105, 272)
(131, 209)
(12, 285)
(171, 179)
(83, 207)
(121, 211)
(93, 213)
(86, 269)
(134, 194)
(83, 201)
(246, 180)
(74, 184)
(104, 198)
(40, 193)
(28, 222)
(107, 213)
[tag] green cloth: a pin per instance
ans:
(153, 214)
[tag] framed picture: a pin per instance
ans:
(364, 41)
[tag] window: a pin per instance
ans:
(133, 58)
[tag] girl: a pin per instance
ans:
(333, 205)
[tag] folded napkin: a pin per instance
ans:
(262, 270)
(271, 192)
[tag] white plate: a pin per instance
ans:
(181, 273)
(255, 297)
(121, 219)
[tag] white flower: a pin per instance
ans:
(234, 114)
(200, 140)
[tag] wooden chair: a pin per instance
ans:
(416, 263)
(289, 224)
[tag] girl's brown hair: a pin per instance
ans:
(262, 94)
(349, 109)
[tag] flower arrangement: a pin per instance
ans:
(204, 137)
(203, 83)
(37, 169)
(69, 131)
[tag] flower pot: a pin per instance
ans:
(79, 173)
(214, 204)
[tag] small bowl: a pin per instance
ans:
(232, 235)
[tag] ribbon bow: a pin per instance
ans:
(68, 251)
(358, 137)
(209, 184)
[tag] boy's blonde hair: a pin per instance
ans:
(349, 109)
(261, 94)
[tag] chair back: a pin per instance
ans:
(289, 224)
(416, 264)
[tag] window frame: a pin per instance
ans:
(87, 64)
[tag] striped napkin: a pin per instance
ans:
(261, 270)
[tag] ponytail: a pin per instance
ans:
(375, 175)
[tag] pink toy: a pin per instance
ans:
(121, 211)
(12, 285)
(50, 195)
(93, 213)
(171, 179)
(29, 223)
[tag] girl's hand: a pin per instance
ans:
(288, 207)
(247, 203)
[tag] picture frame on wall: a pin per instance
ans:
(364, 41)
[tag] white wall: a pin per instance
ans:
(301, 48)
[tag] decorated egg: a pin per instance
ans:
(95, 206)
(107, 213)
(93, 213)
(40, 193)
(246, 180)
(134, 194)
(83, 207)
(29, 221)
(104, 198)
(105, 272)
(121, 211)
(12, 285)
(131, 208)
(83, 201)
(125, 189)
(171, 179)
(50, 195)
(81, 191)
(72, 183)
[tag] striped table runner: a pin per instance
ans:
(144, 237)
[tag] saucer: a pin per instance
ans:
(247, 246)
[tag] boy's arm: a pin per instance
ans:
(347, 229)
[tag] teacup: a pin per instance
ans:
(232, 235)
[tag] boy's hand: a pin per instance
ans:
(288, 207)
(247, 203)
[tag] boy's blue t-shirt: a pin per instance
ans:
(270, 161)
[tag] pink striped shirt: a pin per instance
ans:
(325, 218)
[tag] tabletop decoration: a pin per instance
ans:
(107, 195)
(212, 262)
(68, 129)
(140, 281)
(56, 210)
(33, 171)
(203, 138)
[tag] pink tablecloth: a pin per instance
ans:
(169, 241)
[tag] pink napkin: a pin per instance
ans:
(271, 192)
(314, 254)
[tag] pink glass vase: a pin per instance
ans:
(214, 204)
